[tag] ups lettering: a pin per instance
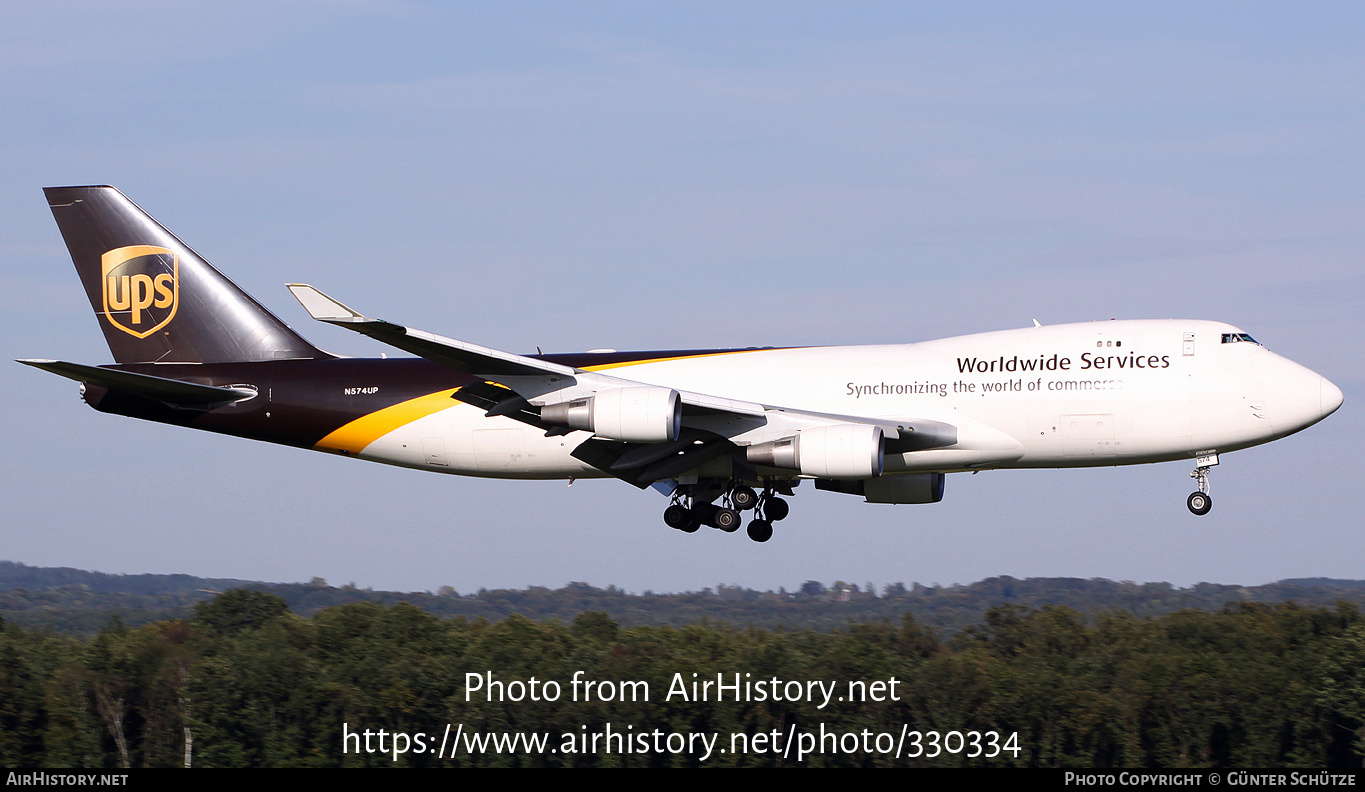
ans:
(140, 288)
(136, 292)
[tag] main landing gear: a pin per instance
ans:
(692, 508)
(1200, 502)
(770, 509)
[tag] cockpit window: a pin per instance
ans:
(1237, 338)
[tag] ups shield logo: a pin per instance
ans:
(141, 288)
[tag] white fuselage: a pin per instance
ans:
(1104, 393)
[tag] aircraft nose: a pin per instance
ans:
(1331, 397)
(1296, 396)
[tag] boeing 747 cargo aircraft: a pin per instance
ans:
(720, 432)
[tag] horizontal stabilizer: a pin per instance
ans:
(169, 391)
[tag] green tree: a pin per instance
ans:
(239, 609)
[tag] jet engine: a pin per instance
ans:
(841, 451)
(903, 488)
(631, 415)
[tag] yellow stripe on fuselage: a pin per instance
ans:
(355, 436)
(606, 366)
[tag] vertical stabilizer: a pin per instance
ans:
(155, 298)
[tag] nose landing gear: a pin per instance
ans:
(1200, 502)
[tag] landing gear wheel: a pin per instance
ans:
(691, 525)
(1200, 502)
(727, 520)
(744, 498)
(776, 509)
(760, 530)
(676, 516)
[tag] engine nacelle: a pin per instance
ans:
(631, 415)
(841, 451)
(907, 488)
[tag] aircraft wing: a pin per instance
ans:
(528, 389)
(533, 378)
(466, 357)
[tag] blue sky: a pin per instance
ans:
(679, 175)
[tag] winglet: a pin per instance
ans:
(321, 307)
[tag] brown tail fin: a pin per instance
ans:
(156, 299)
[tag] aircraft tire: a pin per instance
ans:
(691, 525)
(727, 520)
(776, 509)
(760, 530)
(676, 516)
(1199, 503)
(744, 498)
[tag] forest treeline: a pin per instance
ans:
(247, 682)
(80, 603)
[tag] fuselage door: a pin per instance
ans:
(434, 451)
